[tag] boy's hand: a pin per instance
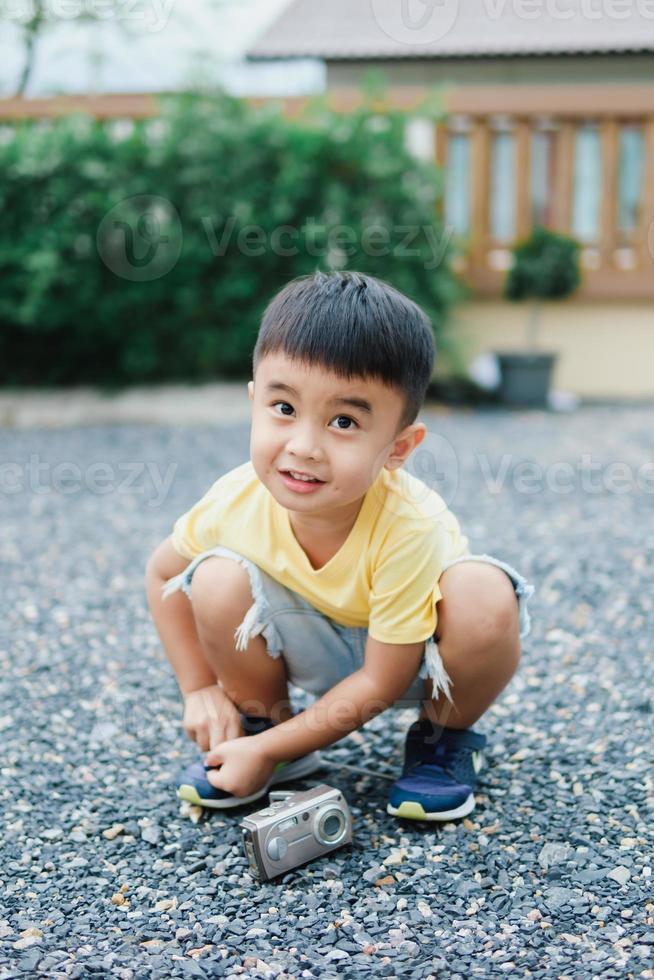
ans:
(210, 717)
(244, 767)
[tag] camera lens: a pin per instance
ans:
(331, 825)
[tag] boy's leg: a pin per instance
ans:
(253, 679)
(478, 640)
(245, 650)
(478, 636)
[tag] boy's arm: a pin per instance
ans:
(175, 621)
(386, 674)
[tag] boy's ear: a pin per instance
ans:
(251, 390)
(405, 442)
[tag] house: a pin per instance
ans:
(550, 120)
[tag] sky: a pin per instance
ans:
(150, 45)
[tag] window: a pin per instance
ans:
(420, 139)
(502, 202)
(543, 162)
(457, 184)
(587, 188)
(630, 180)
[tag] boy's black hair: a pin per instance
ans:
(355, 326)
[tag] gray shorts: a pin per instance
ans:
(318, 652)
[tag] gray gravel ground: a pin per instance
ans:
(101, 873)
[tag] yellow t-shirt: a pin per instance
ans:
(385, 575)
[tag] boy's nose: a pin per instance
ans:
(304, 447)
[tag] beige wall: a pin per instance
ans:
(505, 71)
(605, 350)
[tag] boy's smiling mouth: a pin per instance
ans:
(303, 482)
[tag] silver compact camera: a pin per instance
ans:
(295, 829)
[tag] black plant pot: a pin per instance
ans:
(525, 377)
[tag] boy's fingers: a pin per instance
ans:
(233, 730)
(216, 736)
(213, 757)
(214, 778)
(203, 741)
(196, 735)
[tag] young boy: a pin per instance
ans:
(322, 562)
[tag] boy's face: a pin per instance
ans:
(310, 431)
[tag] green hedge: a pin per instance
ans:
(546, 266)
(86, 204)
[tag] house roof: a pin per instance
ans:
(341, 30)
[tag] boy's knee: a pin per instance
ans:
(480, 598)
(220, 586)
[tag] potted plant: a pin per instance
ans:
(545, 266)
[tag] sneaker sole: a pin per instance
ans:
(289, 770)
(412, 810)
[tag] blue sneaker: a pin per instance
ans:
(193, 785)
(441, 766)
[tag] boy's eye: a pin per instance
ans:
(347, 419)
(283, 403)
(341, 428)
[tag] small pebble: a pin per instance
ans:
(620, 874)
(111, 832)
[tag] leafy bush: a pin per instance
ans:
(229, 201)
(546, 266)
